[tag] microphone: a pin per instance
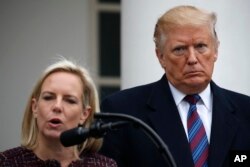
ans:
(74, 136)
(79, 134)
(98, 129)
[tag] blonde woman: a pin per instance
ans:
(63, 98)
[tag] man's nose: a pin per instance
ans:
(192, 56)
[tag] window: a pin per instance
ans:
(106, 45)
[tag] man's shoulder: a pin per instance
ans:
(236, 96)
(229, 94)
(127, 100)
(131, 92)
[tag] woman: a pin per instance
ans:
(65, 97)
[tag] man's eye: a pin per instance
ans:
(179, 50)
(201, 46)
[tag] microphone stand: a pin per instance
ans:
(156, 139)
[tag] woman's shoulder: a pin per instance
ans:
(13, 153)
(98, 160)
(15, 156)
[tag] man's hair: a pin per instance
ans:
(89, 98)
(183, 16)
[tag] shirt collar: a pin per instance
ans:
(205, 95)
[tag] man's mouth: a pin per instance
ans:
(192, 72)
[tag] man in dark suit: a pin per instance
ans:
(186, 47)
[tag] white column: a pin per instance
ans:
(139, 62)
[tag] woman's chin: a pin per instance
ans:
(53, 135)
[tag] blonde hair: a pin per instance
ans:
(183, 16)
(89, 96)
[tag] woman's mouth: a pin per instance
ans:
(55, 122)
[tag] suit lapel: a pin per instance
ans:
(224, 127)
(166, 121)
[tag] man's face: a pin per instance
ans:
(188, 57)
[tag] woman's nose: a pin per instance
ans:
(58, 105)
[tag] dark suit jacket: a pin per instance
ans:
(154, 104)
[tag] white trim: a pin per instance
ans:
(111, 81)
(109, 7)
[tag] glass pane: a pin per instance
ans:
(110, 1)
(107, 90)
(109, 42)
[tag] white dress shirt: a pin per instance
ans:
(204, 108)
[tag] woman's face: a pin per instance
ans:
(59, 106)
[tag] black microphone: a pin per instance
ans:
(74, 136)
(79, 134)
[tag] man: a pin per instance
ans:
(200, 132)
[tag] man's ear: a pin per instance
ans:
(85, 114)
(216, 51)
(215, 57)
(160, 57)
(34, 107)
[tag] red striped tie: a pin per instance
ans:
(196, 133)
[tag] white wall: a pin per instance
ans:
(32, 33)
(140, 65)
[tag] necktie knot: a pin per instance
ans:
(192, 99)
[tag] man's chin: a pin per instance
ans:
(196, 81)
(197, 84)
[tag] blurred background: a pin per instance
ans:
(113, 39)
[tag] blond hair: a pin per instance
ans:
(183, 16)
(89, 96)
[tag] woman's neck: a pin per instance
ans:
(54, 150)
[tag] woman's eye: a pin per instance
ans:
(71, 101)
(47, 98)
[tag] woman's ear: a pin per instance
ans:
(34, 107)
(85, 114)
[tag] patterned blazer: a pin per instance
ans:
(22, 157)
